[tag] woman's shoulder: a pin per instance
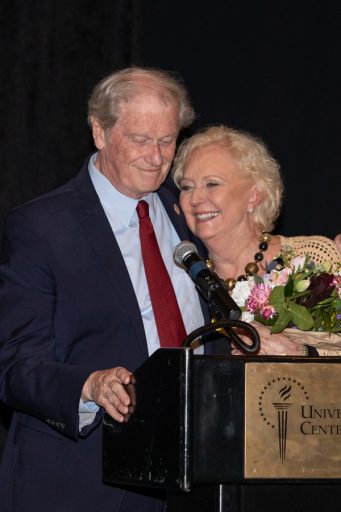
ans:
(320, 248)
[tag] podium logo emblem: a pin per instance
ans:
(275, 401)
(292, 419)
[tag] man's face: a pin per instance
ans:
(136, 154)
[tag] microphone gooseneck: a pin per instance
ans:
(207, 282)
(216, 294)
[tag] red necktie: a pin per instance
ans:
(166, 310)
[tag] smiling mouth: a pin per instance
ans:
(154, 170)
(206, 216)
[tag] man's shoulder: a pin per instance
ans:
(169, 194)
(56, 205)
(168, 188)
(73, 184)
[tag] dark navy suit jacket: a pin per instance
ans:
(67, 308)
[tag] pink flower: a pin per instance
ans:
(337, 283)
(268, 312)
(280, 278)
(258, 301)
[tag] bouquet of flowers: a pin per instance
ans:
(293, 293)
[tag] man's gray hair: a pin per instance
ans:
(126, 84)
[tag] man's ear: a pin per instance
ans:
(255, 197)
(97, 134)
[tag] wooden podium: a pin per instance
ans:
(231, 434)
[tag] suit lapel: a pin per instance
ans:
(96, 228)
(169, 195)
(99, 235)
(170, 200)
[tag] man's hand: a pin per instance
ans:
(107, 389)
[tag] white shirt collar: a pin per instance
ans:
(113, 201)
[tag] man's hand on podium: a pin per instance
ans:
(108, 389)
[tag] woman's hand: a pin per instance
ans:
(271, 344)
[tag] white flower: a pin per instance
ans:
(298, 263)
(247, 317)
(267, 279)
(278, 278)
(242, 290)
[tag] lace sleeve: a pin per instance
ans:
(320, 248)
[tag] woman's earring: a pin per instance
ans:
(250, 210)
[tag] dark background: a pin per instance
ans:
(268, 67)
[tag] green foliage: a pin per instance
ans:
(308, 300)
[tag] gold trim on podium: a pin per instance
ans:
(292, 420)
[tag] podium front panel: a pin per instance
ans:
(206, 420)
(293, 420)
(152, 448)
(218, 419)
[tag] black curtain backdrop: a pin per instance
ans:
(272, 68)
(52, 52)
(268, 67)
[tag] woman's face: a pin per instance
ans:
(215, 196)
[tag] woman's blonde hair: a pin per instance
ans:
(251, 157)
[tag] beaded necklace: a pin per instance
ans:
(252, 267)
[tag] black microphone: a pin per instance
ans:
(206, 281)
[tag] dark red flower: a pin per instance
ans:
(321, 286)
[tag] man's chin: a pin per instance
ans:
(152, 184)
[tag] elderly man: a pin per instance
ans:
(79, 312)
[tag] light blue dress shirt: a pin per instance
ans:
(121, 213)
